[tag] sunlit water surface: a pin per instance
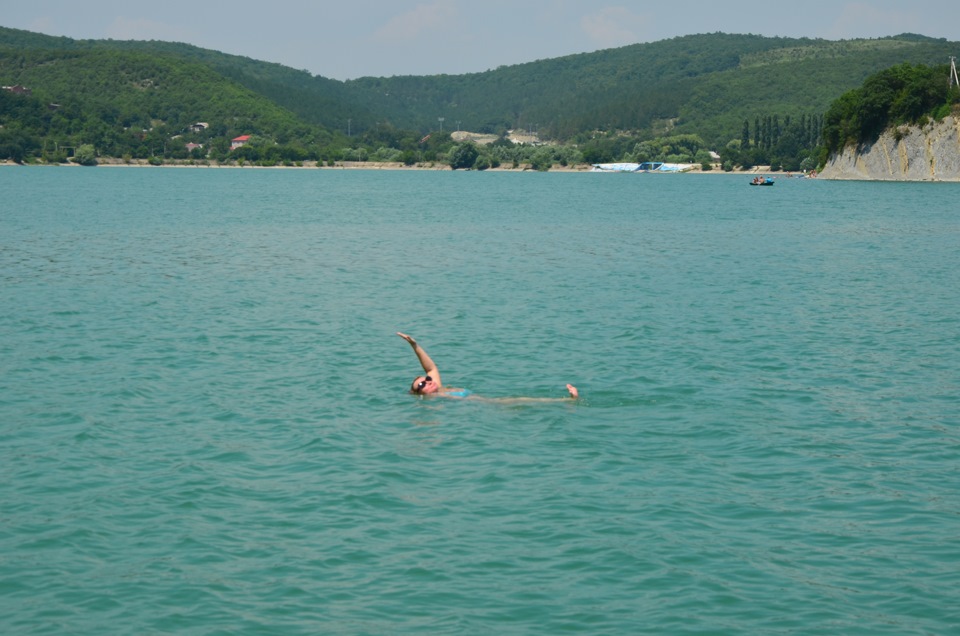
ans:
(205, 426)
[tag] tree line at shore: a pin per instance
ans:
(33, 132)
(143, 101)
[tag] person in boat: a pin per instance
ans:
(431, 384)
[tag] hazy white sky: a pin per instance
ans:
(344, 40)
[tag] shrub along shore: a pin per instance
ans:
(356, 165)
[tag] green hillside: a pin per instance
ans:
(316, 100)
(627, 88)
(135, 103)
(701, 84)
(675, 97)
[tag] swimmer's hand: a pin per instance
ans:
(573, 391)
(408, 338)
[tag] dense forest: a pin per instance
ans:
(136, 104)
(754, 100)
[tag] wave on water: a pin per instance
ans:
(207, 425)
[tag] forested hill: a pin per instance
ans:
(316, 100)
(704, 85)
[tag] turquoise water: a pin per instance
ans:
(205, 429)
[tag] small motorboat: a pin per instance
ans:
(766, 181)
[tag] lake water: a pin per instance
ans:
(205, 426)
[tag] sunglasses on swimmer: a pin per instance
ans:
(423, 383)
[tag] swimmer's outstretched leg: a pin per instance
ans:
(573, 391)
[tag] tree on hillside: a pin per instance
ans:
(902, 94)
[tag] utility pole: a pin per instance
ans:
(440, 119)
(953, 72)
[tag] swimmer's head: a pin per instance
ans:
(424, 385)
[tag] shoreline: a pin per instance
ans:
(370, 165)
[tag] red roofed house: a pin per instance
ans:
(18, 89)
(237, 142)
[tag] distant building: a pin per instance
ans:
(192, 146)
(199, 127)
(18, 89)
(238, 142)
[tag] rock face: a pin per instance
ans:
(907, 153)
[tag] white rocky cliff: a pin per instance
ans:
(907, 153)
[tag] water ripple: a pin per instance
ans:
(205, 424)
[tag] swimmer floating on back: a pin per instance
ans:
(430, 383)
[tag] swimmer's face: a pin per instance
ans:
(424, 385)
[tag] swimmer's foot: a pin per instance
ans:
(573, 391)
